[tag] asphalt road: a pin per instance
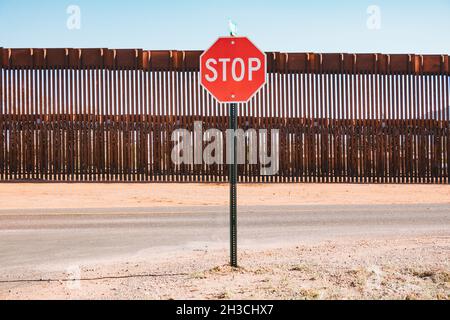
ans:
(30, 238)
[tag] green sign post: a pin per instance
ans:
(233, 187)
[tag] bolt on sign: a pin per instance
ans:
(233, 69)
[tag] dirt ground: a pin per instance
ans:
(60, 195)
(381, 269)
(365, 267)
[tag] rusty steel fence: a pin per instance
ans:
(108, 115)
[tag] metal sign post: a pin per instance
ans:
(233, 187)
(233, 177)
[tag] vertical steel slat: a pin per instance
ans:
(447, 121)
(2, 127)
(11, 142)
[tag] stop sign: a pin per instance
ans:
(233, 69)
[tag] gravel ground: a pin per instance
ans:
(394, 268)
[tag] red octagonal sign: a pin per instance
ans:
(233, 69)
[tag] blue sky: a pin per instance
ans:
(275, 25)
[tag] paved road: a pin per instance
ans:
(29, 238)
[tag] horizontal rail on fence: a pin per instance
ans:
(176, 60)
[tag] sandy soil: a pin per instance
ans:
(60, 195)
(382, 269)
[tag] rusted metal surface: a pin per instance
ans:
(108, 115)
